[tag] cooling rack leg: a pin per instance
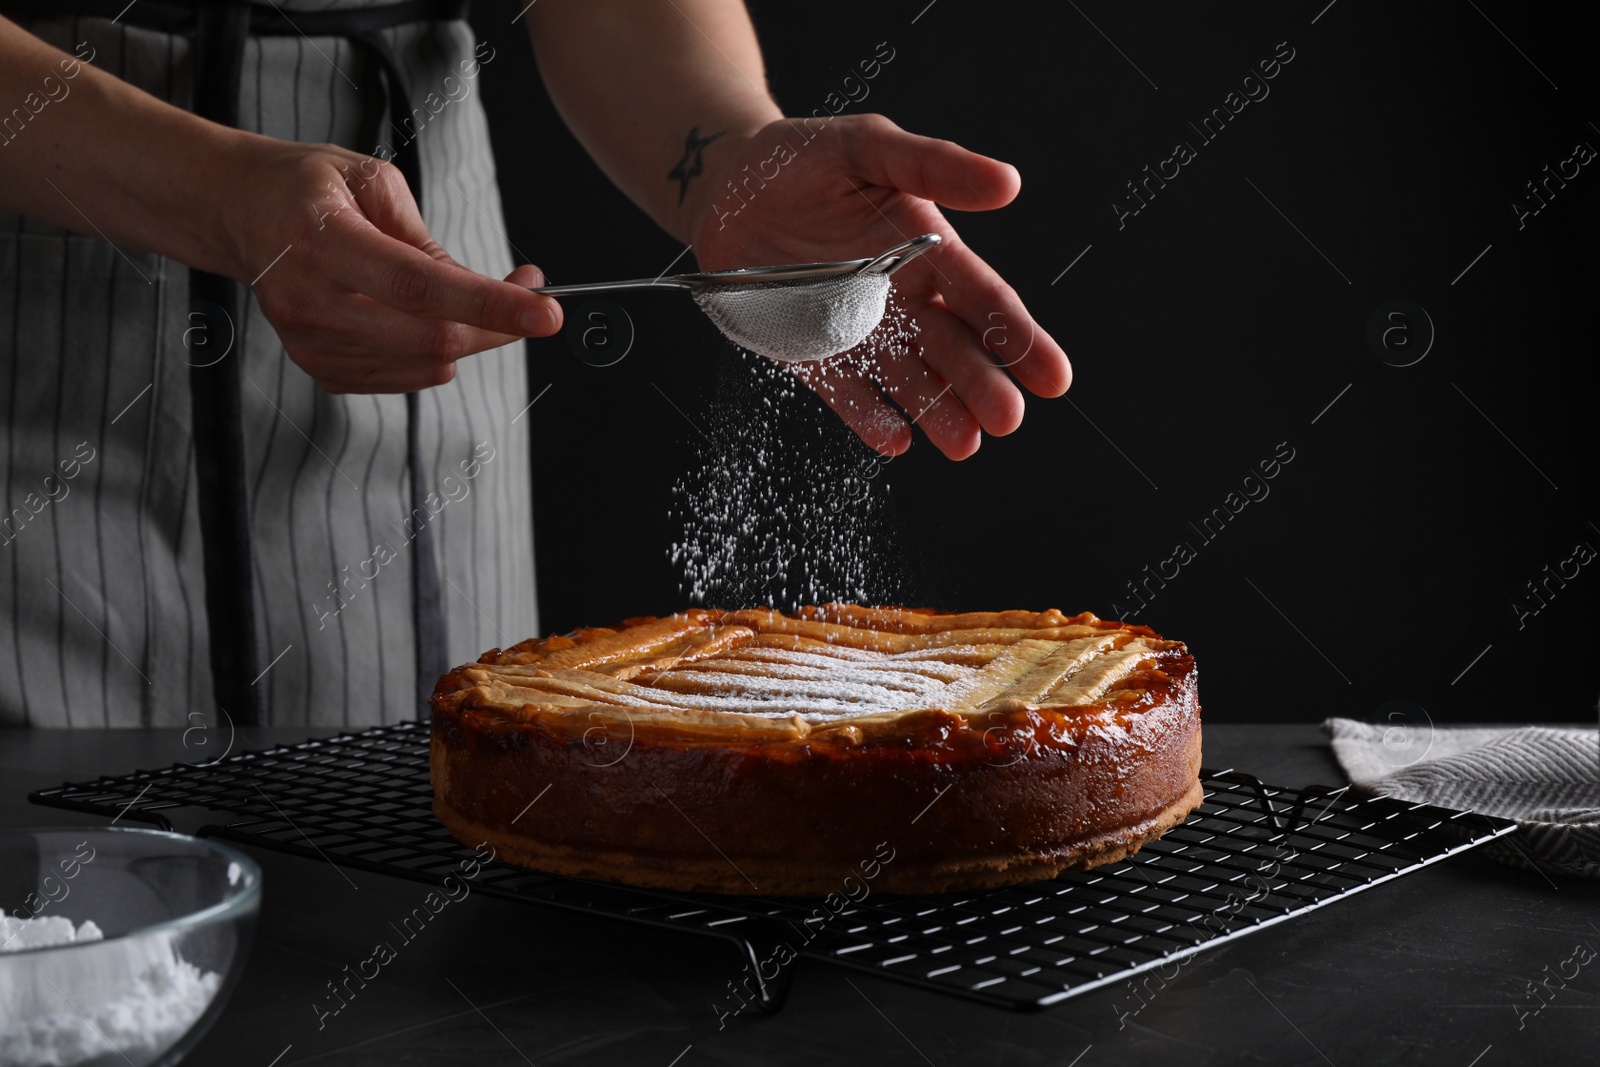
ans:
(770, 992)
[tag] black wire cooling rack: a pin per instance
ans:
(1250, 856)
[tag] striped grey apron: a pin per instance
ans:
(110, 546)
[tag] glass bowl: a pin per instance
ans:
(174, 917)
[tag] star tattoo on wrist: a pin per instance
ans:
(692, 164)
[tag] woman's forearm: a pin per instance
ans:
(91, 153)
(658, 92)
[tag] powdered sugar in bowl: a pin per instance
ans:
(117, 946)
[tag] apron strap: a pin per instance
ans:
(217, 413)
(429, 633)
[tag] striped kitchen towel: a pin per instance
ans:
(1546, 779)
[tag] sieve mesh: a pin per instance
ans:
(804, 320)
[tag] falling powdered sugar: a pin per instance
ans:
(786, 507)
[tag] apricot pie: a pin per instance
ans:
(756, 752)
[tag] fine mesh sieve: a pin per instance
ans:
(803, 312)
(796, 321)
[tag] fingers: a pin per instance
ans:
(362, 336)
(386, 253)
(929, 168)
(858, 403)
(946, 384)
(952, 176)
(931, 403)
(365, 300)
(985, 390)
(992, 310)
(526, 276)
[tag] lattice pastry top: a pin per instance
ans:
(830, 670)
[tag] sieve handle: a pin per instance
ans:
(887, 263)
(613, 287)
(900, 255)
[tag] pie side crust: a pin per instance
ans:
(978, 750)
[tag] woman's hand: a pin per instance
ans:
(364, 300)
(329, 239)
(859, 186)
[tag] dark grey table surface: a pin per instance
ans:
(1433, 968)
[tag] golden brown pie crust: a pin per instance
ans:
(755, 752)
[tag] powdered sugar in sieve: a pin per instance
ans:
(798, 320)
(805, 311)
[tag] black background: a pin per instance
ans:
(1205, 332)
